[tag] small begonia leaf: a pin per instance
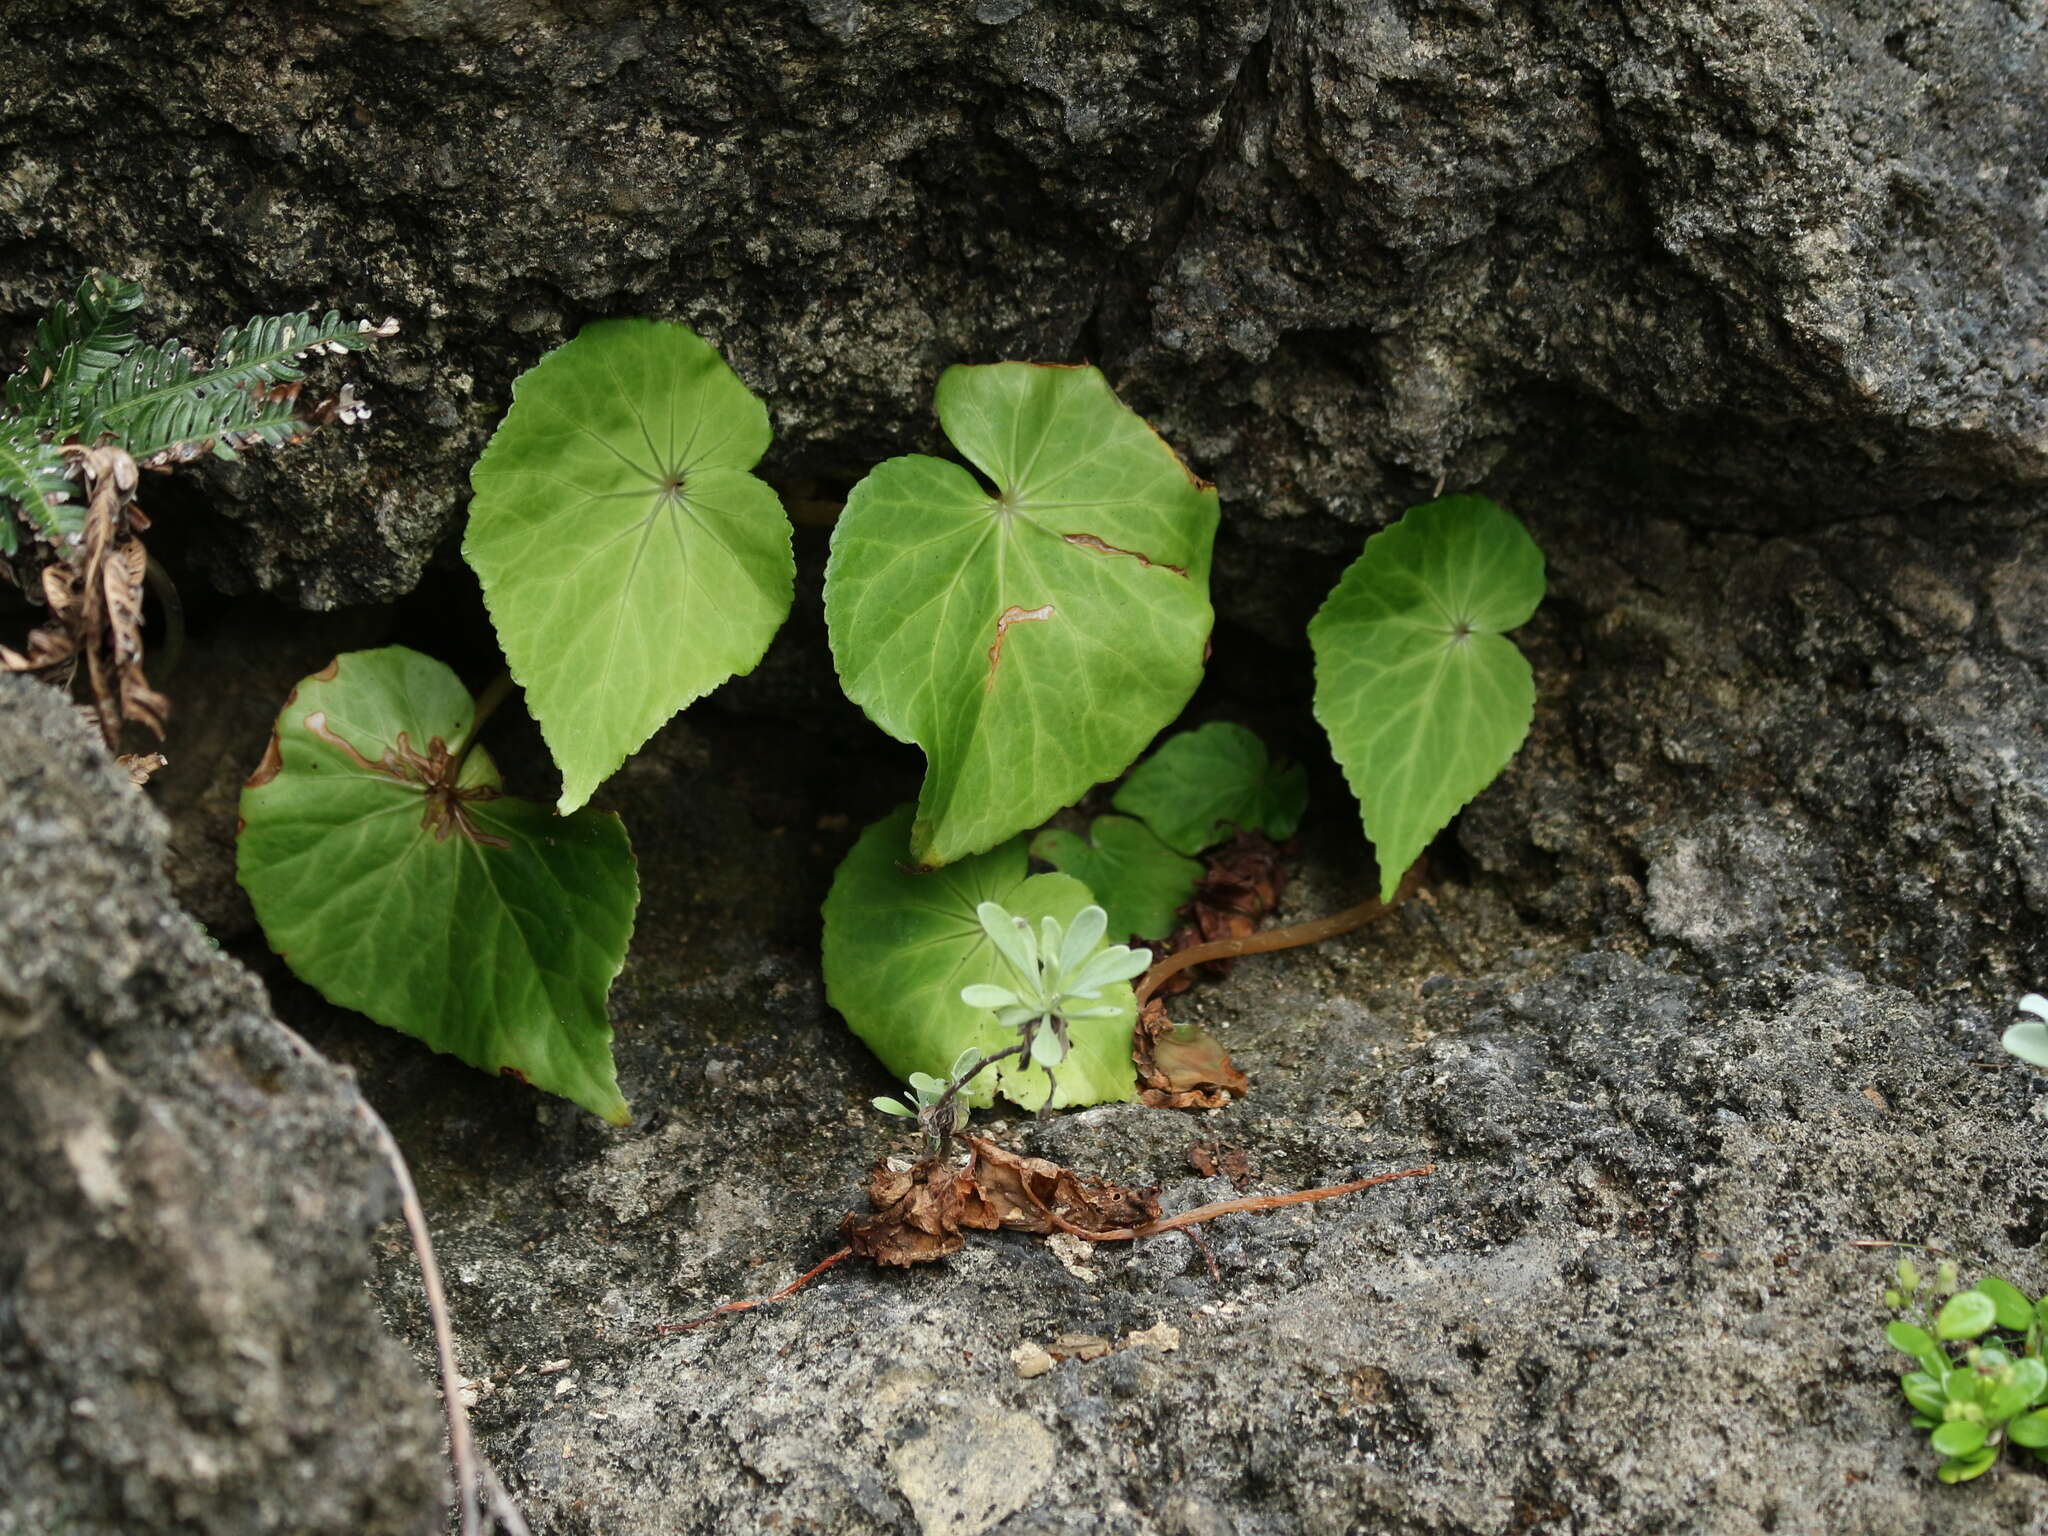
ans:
(630, 561)
(1031, 637)
(901, 943)
(1422, 695)
(1140, 881)
(1201, 786)
(481, 924)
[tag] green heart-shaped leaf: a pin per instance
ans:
(1031, 639)
(478, 923)
(1423, 699)
(1138, 880)
(900, 943)
(630, 562)
(1202, 783)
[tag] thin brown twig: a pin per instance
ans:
(1202, 1213)
(759, 1301)
(461, 1448)
(1312, 932)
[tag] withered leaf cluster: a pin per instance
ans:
(95, 602)
(1242, 883)
(924, 1212)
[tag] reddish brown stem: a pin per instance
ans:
(1202, 1213)
(759, 1301)
(1313, 932)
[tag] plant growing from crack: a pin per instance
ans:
(631, 562)
(89, 408)
(1423, 698)
(1982, 1382)
(1057, 977)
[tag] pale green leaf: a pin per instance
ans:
(900, 944)
(1202, 785)
(1138, 879)
(1422, 696)
(1030, 638)
(630, 562)
(493, 935)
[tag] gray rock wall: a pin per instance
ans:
(185, 1340)
(1740, 304)
(1336, 250)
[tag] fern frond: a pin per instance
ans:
(75, 344)
(164, 405)
(34, 488)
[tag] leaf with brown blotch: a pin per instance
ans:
(1182, 1066)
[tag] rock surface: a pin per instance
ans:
(185, 1343)
(1738, 303)
(1707, 994)
(1336, 250)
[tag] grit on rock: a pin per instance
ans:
(185, 1344)
(1739, 305)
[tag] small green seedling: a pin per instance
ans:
(631, 563)
(934, 1102)
(1050, 972)
(901, 944)
(1981, 1382)
(2028, 1039)
(1422, 695)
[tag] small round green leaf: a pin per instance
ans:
(1423, 697)
(1965, 1315)
(1034, 633)
(475, 922)
(1960, 1469)
(900, 944)
(2008, 1302)
(1140, 881)
(2029, 1429)
(630, 562)
(1916, 1342)
(1202, 784)
(1958, 1437)
(1924, 1392)
(2027, 1040)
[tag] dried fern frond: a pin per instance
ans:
(75, 343)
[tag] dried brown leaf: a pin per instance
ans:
(1182, 1066)
(1210, 1158)
(140, 765)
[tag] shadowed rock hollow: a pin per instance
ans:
(1740, 305)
